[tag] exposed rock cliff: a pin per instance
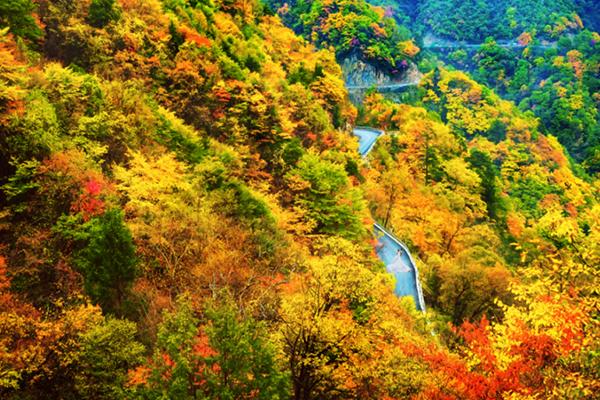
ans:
(360, 76)
(358, 73)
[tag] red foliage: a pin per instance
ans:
(193, 36)
(169, 364)
(530, 353)
(221, 94)
(90, 203)
(202, 346)
(487, 379)
(138, 376)
(476, 336)
(328, 141)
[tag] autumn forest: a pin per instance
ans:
(330, 199)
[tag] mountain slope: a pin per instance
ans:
(184, 214)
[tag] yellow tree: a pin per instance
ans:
(339, 325)
(169, 219)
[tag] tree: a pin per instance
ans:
(107, 351)
(340, 326)
(244, 363)
(392, 181)
(541, 347)
(75, 354)
(102, 12)
(16, 14)
(469, 287)
(108, 262)
(226, 357)
(168, 217)
(482, 164)
(323, 189)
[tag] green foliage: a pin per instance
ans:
(497, 131)
(246, 361)
(16, 14)
(324, 191)
(176, 39)
(107, 352)
(227, 357)
(180, 139)
(304, 76)
(483, 165)
(246, 205)
(528, 193)
(474, 20)
(172, 355)
(107, 261)
(556, 82)
(292, 152)
(462, 20)
(102, 12)
(351, 27)
(20, 185)
(37, 132)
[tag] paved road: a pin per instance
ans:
(399, 262)
(384, 88)
(509, 45)
(394, 254)
(366, 139)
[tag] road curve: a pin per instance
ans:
(394, 254)
(399, 262)
(367, 137)
(384, 88)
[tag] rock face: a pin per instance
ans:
(360, 76)
(359, 73)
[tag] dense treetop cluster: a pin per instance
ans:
(184, 213)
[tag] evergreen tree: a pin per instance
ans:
(482, 164)
(102, 12)
(16, 14)
(108, 261)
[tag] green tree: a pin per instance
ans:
(324, 191)
(16, 14)
(107, 351)
(176, 39)
(225, 358)
(102, 12)
(108, 261)
(482, 164)
(246, 361)
(171, 368)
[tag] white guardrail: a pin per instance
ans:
(420, 299)
(412, 261)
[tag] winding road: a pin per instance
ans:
(458, 45)
(385, 88)
(366, 138)
(435, 43)
(394, 254)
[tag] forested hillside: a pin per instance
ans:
(351, 27)
(559, 84)
(184, 213)
(474, 20)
